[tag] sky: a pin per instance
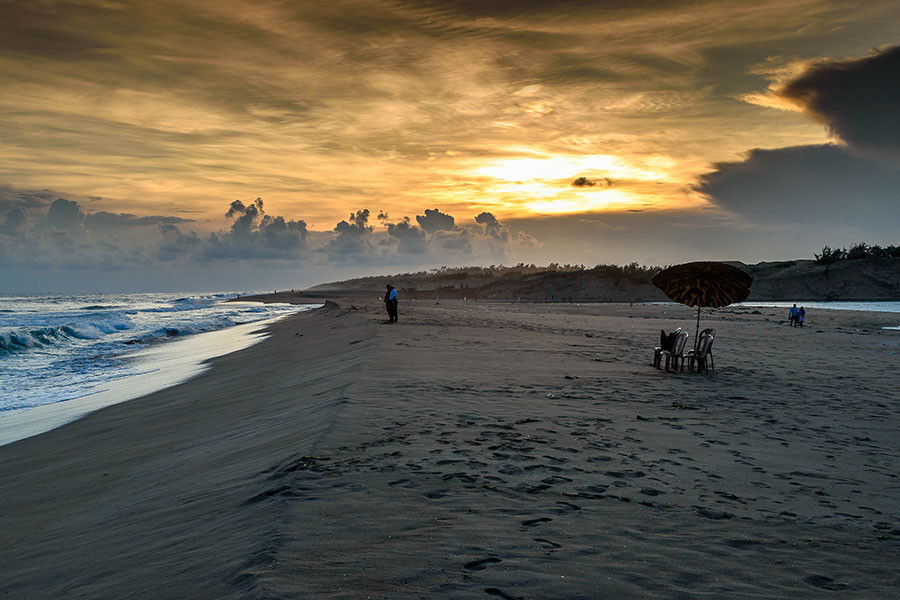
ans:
(249, 145)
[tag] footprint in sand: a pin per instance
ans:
(713, 514)
(283, 490)
(532, 489)
(481, 564)
(434, 494)
(547, 544)
(825, 583)
(500, 594)
(538, 521)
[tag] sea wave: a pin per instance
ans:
(212, 324)
(185, 304)
(22, 339)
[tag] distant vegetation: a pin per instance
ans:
(633, 272)
(855, 252)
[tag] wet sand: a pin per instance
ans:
(481, 450)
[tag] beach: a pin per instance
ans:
(474, 449)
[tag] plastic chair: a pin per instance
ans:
(702, 356)
(675, 357)
(657, 352)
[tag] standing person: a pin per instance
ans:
(390, 303)
(801, 316)
(794, 315)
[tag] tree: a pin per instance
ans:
(829, 256)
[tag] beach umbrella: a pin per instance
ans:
(711, 284)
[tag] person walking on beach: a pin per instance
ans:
(794, 315)
(390, 303)
(801, 316)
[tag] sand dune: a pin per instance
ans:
(847, 280)
(481, 450)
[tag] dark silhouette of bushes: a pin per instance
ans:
(632, 272)
(856, 252)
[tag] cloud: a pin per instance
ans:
(411, 239)
(103, 220)
(256, 235)
(65, 215)
(603, 182)
(434, 220)
(857, 99)
(14, 220)
(457, 242)
(492, 226)
(808, 186)
(176, 246)
(354, 241)
(62, 232)
(27, 199)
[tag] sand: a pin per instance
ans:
(480, 450)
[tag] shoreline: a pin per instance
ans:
(191, 356)
(526, 449)
(157, 496)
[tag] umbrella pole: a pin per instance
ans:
(697, 331)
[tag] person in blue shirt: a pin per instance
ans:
(390, 303)
(794, 316)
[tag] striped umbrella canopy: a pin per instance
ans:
(703, 283)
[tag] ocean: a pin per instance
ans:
(876, 306)
(62, 356)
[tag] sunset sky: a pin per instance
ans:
(136, 137)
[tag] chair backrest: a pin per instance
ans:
(705, 342)
(680, 341)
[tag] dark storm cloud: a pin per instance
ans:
(434, 220)
(859, 100)
(808, 186)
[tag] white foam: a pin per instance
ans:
(158, 367)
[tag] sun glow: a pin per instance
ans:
(579, 202)
(571, 167)
(543, 183)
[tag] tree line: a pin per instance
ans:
(855, 252)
